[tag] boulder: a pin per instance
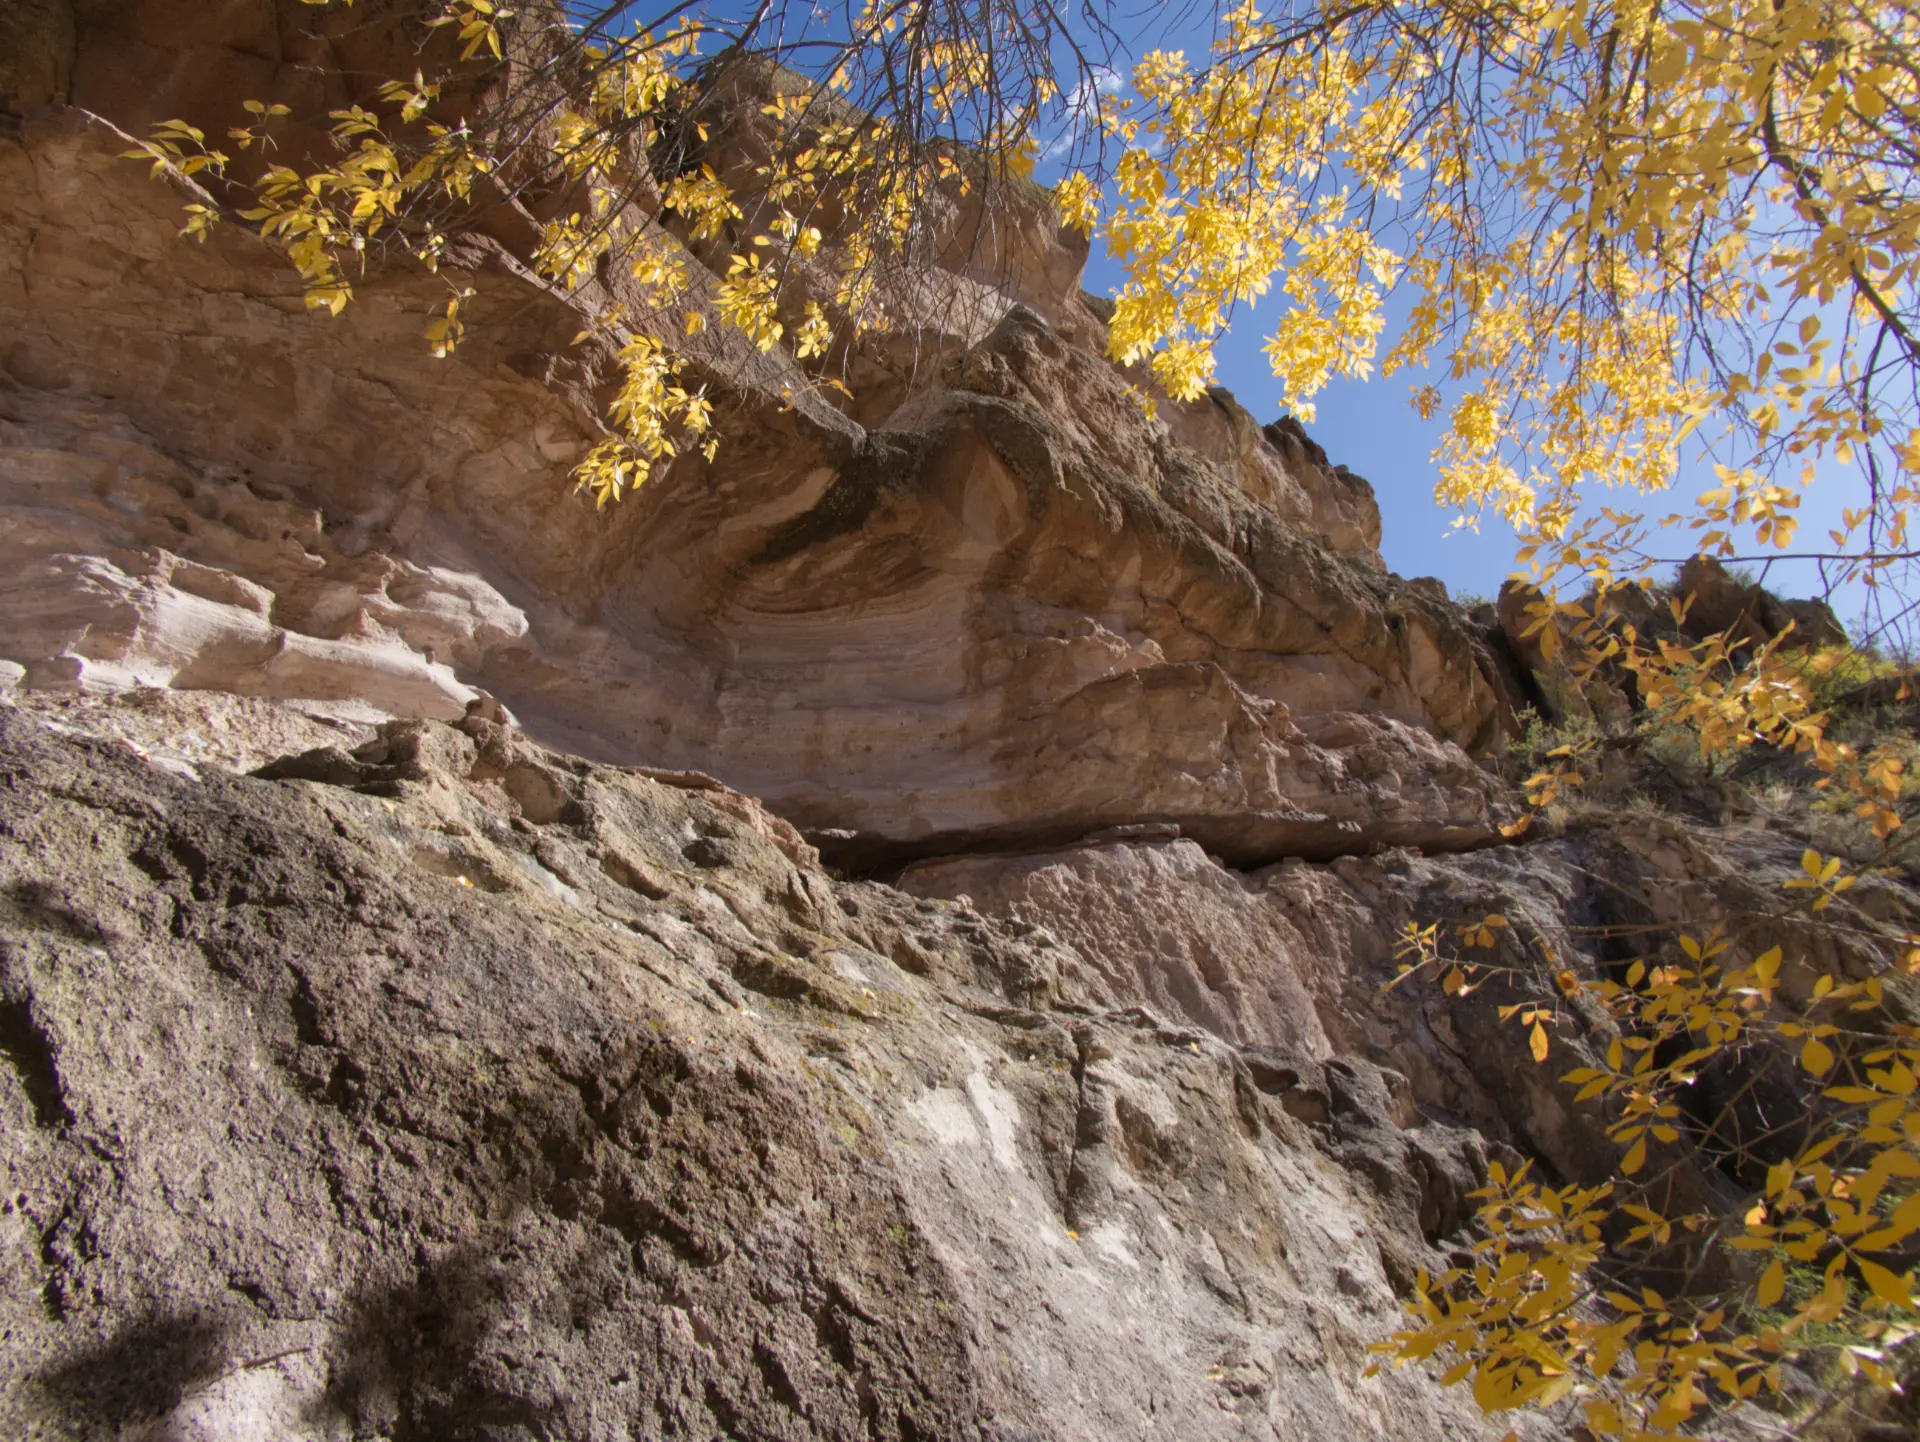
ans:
(1749, 614)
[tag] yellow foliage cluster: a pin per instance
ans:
(650, 406)
(1214, 196)
(401, 184)
(1544, 1314)
(1611, 222)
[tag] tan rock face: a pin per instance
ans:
(1157, 923)
(99, 594)
(1719, 601)
(1298, 965)
(1105, 627)
(1012, 611)
(36, 54)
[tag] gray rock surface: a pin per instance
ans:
(460, 1090)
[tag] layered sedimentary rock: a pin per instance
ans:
(997, 605)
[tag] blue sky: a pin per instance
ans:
(1370, 427)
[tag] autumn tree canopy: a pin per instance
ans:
(1613, 227)
(1621, 233)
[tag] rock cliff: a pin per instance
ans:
(884, 937)
(459, 1089)
(970, 616)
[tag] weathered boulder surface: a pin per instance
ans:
(432, 1083)
(1002, 606)
(464, 1090)
(1718, 601)
(1305, 961)
(1163, 925)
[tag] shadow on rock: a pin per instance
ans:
(413, 1360)
(142, 1370)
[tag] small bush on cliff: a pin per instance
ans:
(1617, 229)
(1644, 1311)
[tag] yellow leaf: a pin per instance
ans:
(1492, 1390)
(1537, 1042)
(1816, 1057)
(1888, 1286)
(1773, 1284)
(1831, 1302)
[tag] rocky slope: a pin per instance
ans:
(408, 1036)
(457, 1089)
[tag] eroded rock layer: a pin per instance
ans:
(982, 599)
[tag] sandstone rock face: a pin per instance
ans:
(1299, 958)
(98, 594)
(1153, 645)
(1164, 925)
(1000, 606)
(36, 54)
(1721, 602)
(468, 1091)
